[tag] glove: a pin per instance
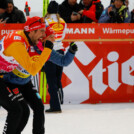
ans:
(112, 14)
(73, 48)
(49, 44)
(120, 19)
(49, 31)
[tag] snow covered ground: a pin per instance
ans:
(86, 119)
(37, 5)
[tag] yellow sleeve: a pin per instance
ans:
(20, 54)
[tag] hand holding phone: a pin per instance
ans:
(75, 13)
(1, 20)
(6, 19)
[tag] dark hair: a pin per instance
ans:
(3, 4)
(112, 1)
(121, 0)
(10, 1)
(53, 7)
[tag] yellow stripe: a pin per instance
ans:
(20, 74)
(97, 40)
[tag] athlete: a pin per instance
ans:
(14, 53)
(53, 71)
(21, 79)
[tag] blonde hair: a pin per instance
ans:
(57, 15)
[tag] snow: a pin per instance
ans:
(37, 5)
(86, 119)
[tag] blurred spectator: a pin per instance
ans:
(112, 2)
(129, 14)
(3, 6)
(68, 11)
(127, 2)
(132, 16)
(53, 71)
(116, 13)
(91, 10)
(13, 14)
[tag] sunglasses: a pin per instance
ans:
(41, 20)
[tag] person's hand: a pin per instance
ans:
(74, 17)
(109, 10)
(5, 20)
(49, 31)
(78, 16)
(81, 12)
(49, 35)
(48, 44)
(1, 20)
(73, 48)
(51, 38)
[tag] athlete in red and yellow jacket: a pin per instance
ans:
(14, 53)
(14, 49)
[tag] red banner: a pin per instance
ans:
(7, 28)
(99, 31)
(103, 68)
(86, 32)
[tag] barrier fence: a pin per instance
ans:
(103, 68)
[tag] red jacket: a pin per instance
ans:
(94, 11)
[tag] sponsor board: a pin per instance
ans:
(103, 68)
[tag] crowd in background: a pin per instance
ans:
(9, 13)
(86, 11)
(92, 11)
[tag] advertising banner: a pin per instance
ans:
(86, 32)
(103, 68)
(7, 28)
(101, 73)
(99, 32)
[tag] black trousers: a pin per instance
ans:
(53, 75)
(18, 115)
(32, 98)
(17, 109)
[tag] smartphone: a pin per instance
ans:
(75, 13)
(6, 19)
